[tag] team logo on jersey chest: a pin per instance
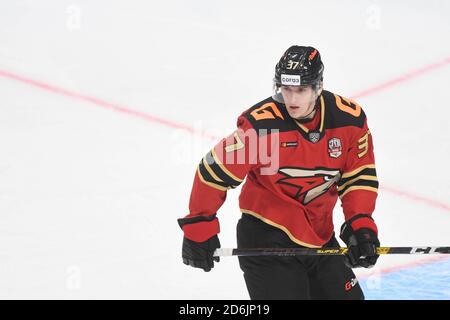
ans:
(334, 147)
(305, 184)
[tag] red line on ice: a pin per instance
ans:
(418, 198)
(106, 104)
(169, 123)
(402, 78)
(152, 118)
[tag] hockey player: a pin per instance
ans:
(300, 150)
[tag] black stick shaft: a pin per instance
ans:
(225, 252)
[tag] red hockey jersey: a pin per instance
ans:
(294, 171)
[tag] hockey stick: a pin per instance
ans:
(335, 251)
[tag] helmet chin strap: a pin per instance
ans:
(305, 118)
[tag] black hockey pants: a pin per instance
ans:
(289, 278)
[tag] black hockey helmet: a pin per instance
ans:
(299, 66)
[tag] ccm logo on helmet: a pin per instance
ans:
(290, 80)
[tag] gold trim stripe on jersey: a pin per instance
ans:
(362, 178)
(354, 172)
(210, 184)
(224, 169)
(359, 188)
(279, 226)
(216, 175)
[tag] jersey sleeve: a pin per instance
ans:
(224, 167)
(358, 185)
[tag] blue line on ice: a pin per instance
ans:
(425, 282)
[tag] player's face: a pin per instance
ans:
(299, 100)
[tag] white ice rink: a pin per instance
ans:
(90, 190)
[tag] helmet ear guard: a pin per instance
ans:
(318, 86)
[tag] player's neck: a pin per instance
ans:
(309, 117)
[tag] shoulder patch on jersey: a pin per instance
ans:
(342, 112)
(268, 115)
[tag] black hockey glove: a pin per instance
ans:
(200, 241)
(200, 254)
(361, 243)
